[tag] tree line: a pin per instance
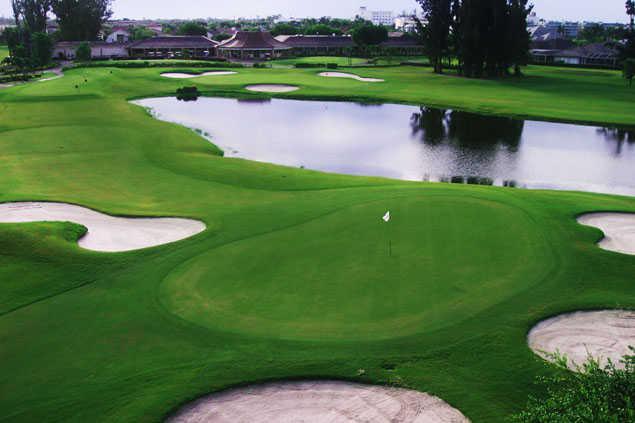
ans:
(30, 46)
(485, 37)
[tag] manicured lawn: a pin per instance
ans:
(342, 61)
(4, 52)
(292, 277)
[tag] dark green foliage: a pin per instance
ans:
(332, 65)
(192, 28)
(591, 394)
(221, 37)
(321, 29)
(32, 14)
(140, 33)
(83, 52)
(629, 70)
(41, 49)
(487, 36)
(81, 20)
(435, 32)
(284, 29)
(187, 93)
(368, 34)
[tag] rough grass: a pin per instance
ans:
(293, 278)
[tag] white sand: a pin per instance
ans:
(618, 228)
(349, 75)
(105, 233)
(318, 402)
(601, 334)
(272, 88)
(178, 75)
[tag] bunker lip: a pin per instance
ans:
(618, 228)
(272, 88)
(316, 402)
(349, 75)
(105, 233)
(602, 335)
(184, 75)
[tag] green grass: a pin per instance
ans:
(341, 61)
(292, 278)
(4, 52)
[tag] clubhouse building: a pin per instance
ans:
(242, 46)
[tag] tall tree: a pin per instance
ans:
(519, 37)
(630, 11)
(35, 14)
(435, 32)
(81, 20)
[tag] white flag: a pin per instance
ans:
(386, 217)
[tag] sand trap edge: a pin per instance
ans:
(105, 233)
(618, 229)
(601, 334)
(272, 88)
(315, 402)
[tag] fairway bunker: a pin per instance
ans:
(272, 88)
(105, 233)
(602, 335)
(618, 228)
(349, 75)
(181, 75)
(317, 402)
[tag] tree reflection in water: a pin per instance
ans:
(619, 136)
(467, 130)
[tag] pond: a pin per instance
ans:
(412, 143)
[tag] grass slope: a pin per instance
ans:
(321, 60)
(292, 279)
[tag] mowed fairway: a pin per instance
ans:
(293, 276)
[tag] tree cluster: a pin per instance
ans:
(487, 37)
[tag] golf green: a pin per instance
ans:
(296, 275)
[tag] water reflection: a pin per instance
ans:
(413, 143)
(465, 129)
(618, 136)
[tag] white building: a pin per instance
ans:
(118, 35)
(377, 17)
(405, 24)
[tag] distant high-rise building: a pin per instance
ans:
(377, 17)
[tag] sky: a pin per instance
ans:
(577, 10)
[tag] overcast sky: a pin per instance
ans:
(590, 10)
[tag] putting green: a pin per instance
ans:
(334, 277)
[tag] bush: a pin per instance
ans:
(41, 49)
(457, 180)
(591, 394)
(332, 65)
(187, 94)
(83, 52)
(137, 64)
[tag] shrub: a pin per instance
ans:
(457, 180)
(332, 65)
(591, 394)
(187, 94)
(83, 52)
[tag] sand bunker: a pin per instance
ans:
(105, 233)
(602, 335)
(618, 228)
(318, 402)
(179, 75)
(272, 88)
(349, 75)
